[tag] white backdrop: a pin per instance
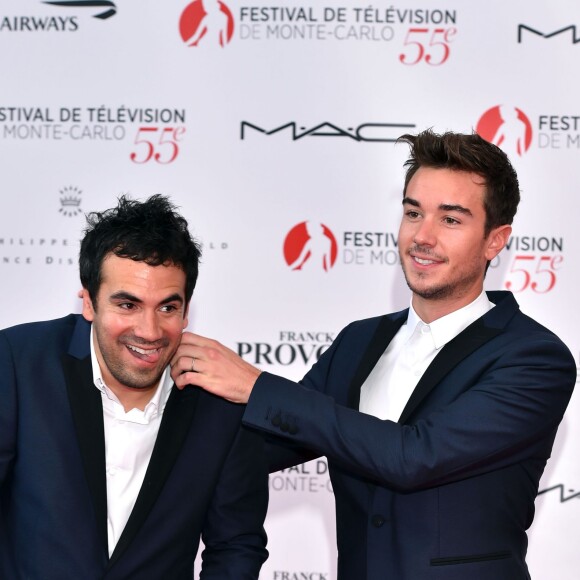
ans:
(271, 125)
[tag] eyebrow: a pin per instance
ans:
(443, 207)
(122, 295)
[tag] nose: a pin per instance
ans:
(148, 327)
(425, 233)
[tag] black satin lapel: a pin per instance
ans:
(383, 335)
(176, 422)
(450, 356)
(87, 412)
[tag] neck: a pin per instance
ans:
(133, 398)
(430, 309)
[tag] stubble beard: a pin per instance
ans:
(137, 379)
(444, 290)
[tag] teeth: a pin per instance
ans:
(141, 350)
(424, 262)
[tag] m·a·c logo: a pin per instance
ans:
(111, 9)
(507, 127)
(368, 132)
(207, 20)
(310, 245)
(570, 30)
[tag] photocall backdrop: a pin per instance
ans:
(272, 126)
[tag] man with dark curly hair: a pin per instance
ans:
(107, 471)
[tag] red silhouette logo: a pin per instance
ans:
(507, 127)
(310, 244)
(206, 19)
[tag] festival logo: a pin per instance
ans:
(507, 127)
(310, 477)
(154, 135)
(310, 245)
(210, 21)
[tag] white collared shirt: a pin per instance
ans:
(390, 384)
(129, 441)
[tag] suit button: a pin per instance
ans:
(293, 430)
(378, 520)
(276, 421)
(284, 427)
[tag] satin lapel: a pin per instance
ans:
(87, 412)
(450, 356)
(176, 422)
(386, 330)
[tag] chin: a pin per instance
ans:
(430, 292)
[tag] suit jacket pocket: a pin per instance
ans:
(450, 561)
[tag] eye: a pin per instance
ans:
(451, 220)
(169, 308)
(412, 214)
(126, 305)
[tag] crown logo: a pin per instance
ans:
(70, 201)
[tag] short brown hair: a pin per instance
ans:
(471, 153)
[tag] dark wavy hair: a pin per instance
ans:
(150, 231)
(473, 154)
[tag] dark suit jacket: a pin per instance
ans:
(207, 475)
(448, 491)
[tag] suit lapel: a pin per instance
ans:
(465, 343)
(387, 328)
(87, 412)
(176, 422)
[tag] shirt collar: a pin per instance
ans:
(158, 400)
(449, 326)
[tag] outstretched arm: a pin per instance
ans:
(483, 421)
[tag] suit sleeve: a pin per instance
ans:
(7, 408)
(510, 412)
(233, 534)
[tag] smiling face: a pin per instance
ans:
(138, 318)
(442, 241)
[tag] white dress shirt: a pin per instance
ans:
(129, 441)
(390, 384)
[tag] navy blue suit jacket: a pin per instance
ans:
(448, 491)
(207, 475)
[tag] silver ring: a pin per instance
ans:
(192, 363)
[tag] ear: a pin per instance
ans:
(497, 240)
(88, 309)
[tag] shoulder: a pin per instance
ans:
(369, 324)
(43, 334)
(521, 332)
(507, 314)
(365, 329)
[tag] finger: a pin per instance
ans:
(183, 366)
(186, 352)
(197, 378)
(182, 373)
